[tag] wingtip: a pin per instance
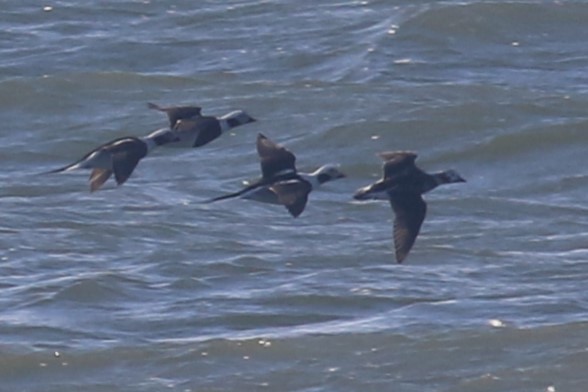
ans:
(384, 155)
(400, 253)
(387, 155)
(295, 214)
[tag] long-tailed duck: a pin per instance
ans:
(119, 156)
(198, 131)
(280, 182)
(176, 113)
(403, 184)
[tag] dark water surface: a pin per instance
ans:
(142, 288)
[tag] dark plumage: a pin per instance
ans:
(403, 184)
(176, 113)
(119, 156)
(201, 130)
(280, 182)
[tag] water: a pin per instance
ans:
(142, 288)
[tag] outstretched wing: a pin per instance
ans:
(176, 113)
(276, 160)
(410, 210)
(126, 157)
(98, 177)
(397, 163)
(202, 130)
(293, 194)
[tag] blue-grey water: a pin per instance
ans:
(143, 288)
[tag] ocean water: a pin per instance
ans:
(143, 288)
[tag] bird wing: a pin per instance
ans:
(125, 157)
(98, 177)
(202, 130)
(397, 162)
(275, 159)
(410, 210)
(175, 113)
(293, 194)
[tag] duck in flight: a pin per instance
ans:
(194, 129)
(281, 183)
(200, 130)
(403, 185)
(119, 156)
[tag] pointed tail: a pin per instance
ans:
(155, 106)
(71, 166)
(243, 191)
(227, 196)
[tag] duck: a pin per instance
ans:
(177, 113)
(281, 183)
(119, 156)
(403, 185)
(198, 131)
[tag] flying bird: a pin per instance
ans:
(281, 183)
(403, 185)
(198, 131)
(119, 156)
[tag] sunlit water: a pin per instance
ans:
(143, 288)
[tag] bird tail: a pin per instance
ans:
(155, 106)
(227, 196)
(65, 168)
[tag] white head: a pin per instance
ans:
(236, 118)
(327, 173)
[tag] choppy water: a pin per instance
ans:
(141, 288)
